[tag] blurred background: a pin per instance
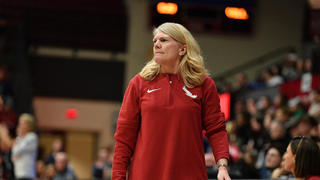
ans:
(68, 63)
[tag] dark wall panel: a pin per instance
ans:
(88, 24)
(85, 79)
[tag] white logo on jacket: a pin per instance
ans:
(152, 90)
(188, 93)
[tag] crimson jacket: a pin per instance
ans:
(313, 178)
(159, 130)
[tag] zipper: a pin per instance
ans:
(170, 80)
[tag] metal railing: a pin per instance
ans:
(254, 62)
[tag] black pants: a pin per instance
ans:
(24, 179)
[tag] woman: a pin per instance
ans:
(302, 159)
(272, 161)
(165, 108)
(24, 148)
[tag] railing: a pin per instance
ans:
(254, 62)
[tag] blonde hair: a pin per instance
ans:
(29, 119)
(191, 67)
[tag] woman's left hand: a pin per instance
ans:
(223, 173)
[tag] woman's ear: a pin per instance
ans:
(183, 50)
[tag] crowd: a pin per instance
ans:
(20, 158)
(260, 129)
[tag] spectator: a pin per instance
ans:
(6, 164)
(5, 86)
(103, 164)
(241, 86)
(282, 115)
(257, 138)
(288, 69)
(314, 109)
(308, 66)
(278, 133)
(300, 68)
(276, 71)
(242, 122)
(272, 160)
(244, 168)
(302, 159)
(24, 148)
(41, 169)
(50, 172)
(7, 115)
(63, 171)
(241, 83)
(297, 110)
(264, 104)
(305, 126)
(57, 146)
(270, 79)
(280, 101)
(268, 118)
(312, 52)
(251, 107)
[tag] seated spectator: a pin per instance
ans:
(314, 109)
(251, 107)
(305, 126)
(297, 110)
(264, 104)
(276, 71)
(103, 164)
(282, 115)
(288, 69)
(268, 117)
(278, 133)
(302, 159)
(312, 52)
(50, 172)
(241, 124)
(300, 68)
(41, 168)
(308, 66)
(257, 139)
(57, 146)
(244, 168)
(241, 83)
(273, 159)
(280, 101)
(63, 171)
(271, 80)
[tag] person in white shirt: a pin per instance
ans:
(24, 150)
(24, 147)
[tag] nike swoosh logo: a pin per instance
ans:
(152, 90)
(188, 93)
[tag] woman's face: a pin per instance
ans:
(273, 158)
(23, 127)
(166, 50)
(289, 160)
